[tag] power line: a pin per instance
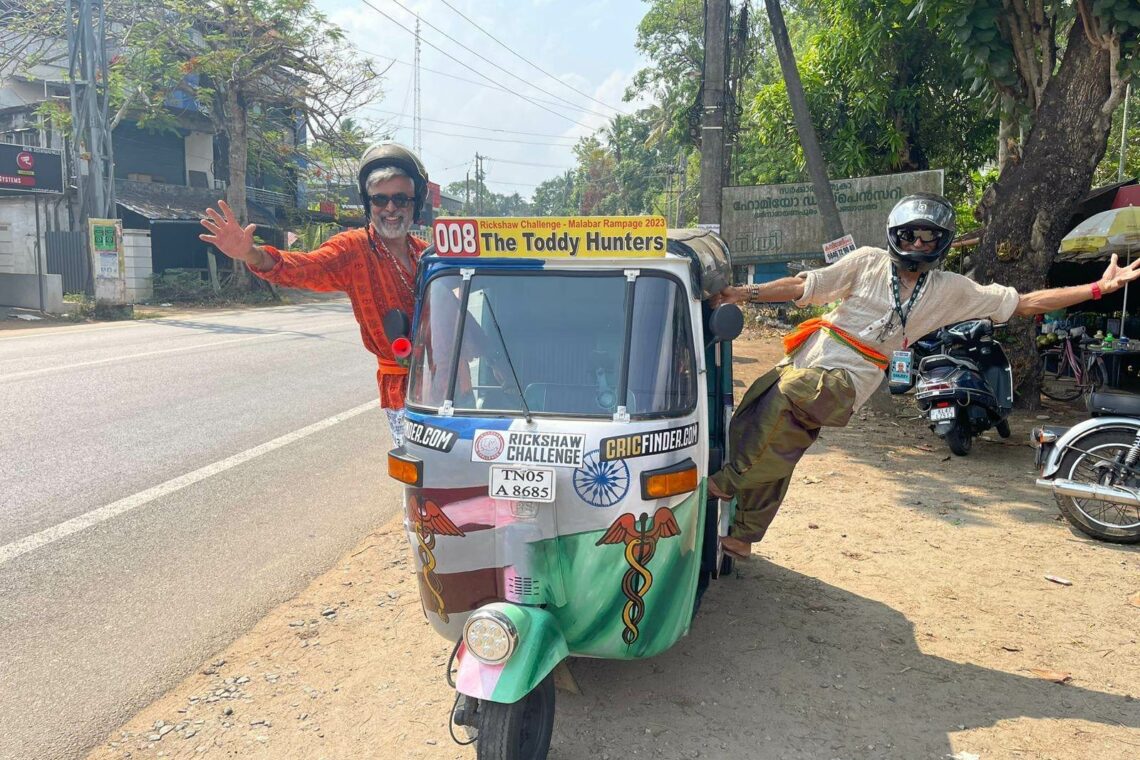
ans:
(482, 57)
(516, 54)
(495, 86)
(474, 71)
(511, 140)
(472, 126)
(525, 163)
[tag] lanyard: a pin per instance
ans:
(904, 313)
(898, 307)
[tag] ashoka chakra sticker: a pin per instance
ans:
(601, 484)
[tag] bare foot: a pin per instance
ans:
(736, 547)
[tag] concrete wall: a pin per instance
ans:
(23, 290)
(18, 251)
(136, 251)
(7, 249)
(200, 156)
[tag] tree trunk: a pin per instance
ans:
(237, 128)
(817, 167)
(1029, 209)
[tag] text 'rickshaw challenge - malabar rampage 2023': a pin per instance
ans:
(569, 392)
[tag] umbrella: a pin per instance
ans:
(1101, 235)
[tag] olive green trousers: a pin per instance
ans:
(778, 419)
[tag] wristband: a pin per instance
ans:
(1096, 292)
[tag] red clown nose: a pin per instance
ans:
(402, 347)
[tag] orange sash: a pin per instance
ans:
(797, 337)
(391, 368)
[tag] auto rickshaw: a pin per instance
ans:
(569, 392)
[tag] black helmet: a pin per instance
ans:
(393, 154)
(925, 210)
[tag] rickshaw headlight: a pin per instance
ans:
(490, 636)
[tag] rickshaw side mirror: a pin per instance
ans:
(726, 322)
(396, 325)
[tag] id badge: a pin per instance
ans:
(901, 365)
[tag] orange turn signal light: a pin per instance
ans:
(669, 481)
(404, 468)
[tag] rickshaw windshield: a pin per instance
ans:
(556, 341)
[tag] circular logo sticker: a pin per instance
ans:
(489, 445)
(25, 160)
(601, 484)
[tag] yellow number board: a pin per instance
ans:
(551, 237)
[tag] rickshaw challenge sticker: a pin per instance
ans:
(523, 447)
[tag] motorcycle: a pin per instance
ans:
(964, 383)
(1093, 468)
(564, 411)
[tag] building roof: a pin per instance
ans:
(174, 203)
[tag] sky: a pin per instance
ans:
(588, 47)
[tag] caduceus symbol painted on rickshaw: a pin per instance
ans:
(430, 521)
(640, 536)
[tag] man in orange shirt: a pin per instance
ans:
(375, 266)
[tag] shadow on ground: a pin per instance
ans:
(801, 669)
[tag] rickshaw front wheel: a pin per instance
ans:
(518, 731)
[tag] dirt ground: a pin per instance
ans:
(899, 608)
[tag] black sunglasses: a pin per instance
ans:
(908, 235)
(399, 200)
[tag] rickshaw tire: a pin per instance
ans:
(727, 565)
(517, 731)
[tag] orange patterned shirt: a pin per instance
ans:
(375, 285)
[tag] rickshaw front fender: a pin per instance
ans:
(541, 646)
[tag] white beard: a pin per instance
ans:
(392, 231)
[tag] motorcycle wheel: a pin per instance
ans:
(1002, 429)
(958, 437)
(518, 731)
(1107, 521)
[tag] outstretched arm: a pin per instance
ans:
(783, 289)
(1113, 279)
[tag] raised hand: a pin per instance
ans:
(227, 235)
(1115, 276)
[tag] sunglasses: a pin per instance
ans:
(399, 200)
(908, 235)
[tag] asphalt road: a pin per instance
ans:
(163, 484)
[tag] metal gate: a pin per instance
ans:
(67, 256)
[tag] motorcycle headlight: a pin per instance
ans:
(490, 636)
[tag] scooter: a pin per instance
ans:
(965, 384)
(1093, 469)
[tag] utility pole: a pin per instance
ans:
(479, 184)
(832, 225)
(712, 117)
(417, 120)
(467, 195)
(91, 139)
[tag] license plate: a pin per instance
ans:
(522, 483)
(942, 413)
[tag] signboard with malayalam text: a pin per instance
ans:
(551, 237)
(778, 223)
(30, 170)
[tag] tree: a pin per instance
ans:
(266, 73)
(272, 66)
(1063, 68)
